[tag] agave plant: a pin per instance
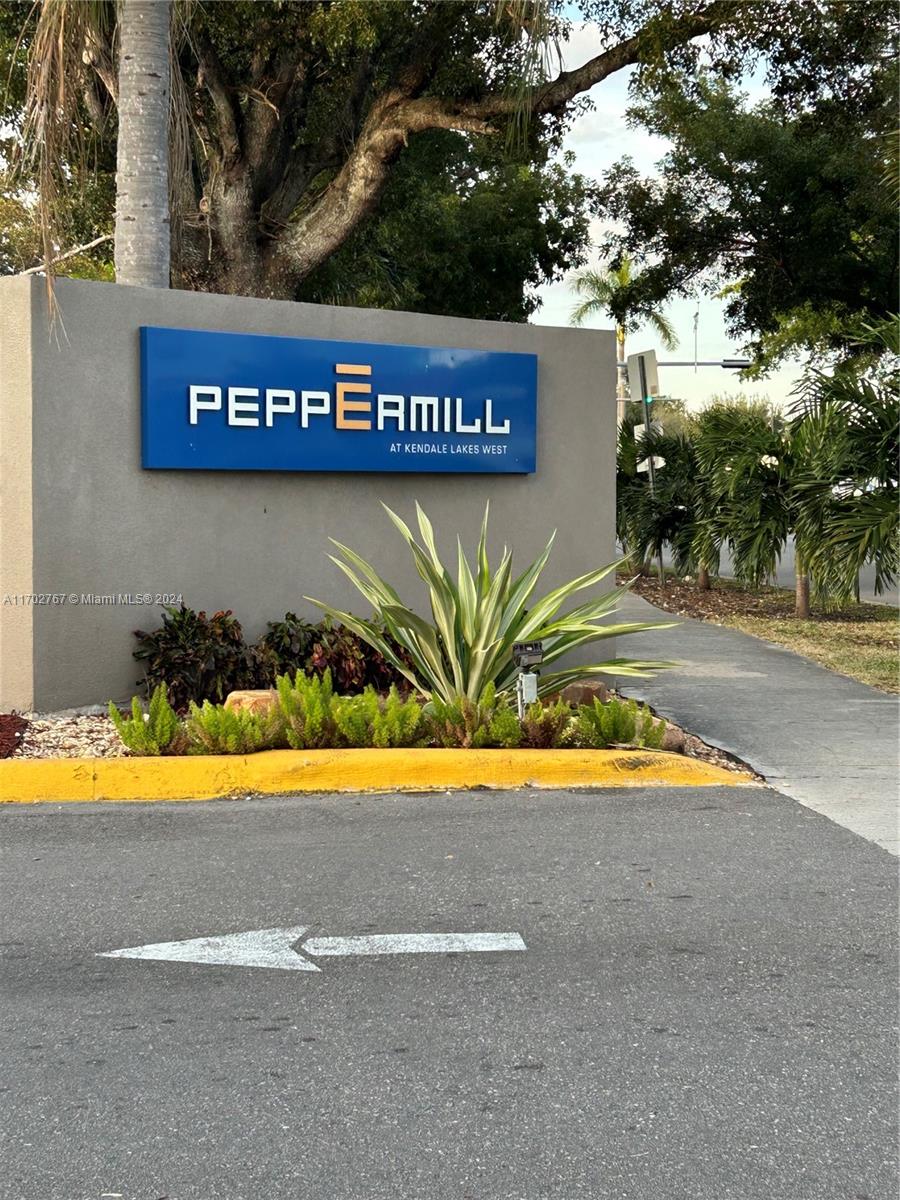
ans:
(478, 616)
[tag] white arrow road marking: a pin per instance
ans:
(413, 943)
(275, 947)
(256, 948)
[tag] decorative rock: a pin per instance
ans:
(585, 692)
(252, 701)
(674, 739)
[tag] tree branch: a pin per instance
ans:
(399, 112)
(98, 54)
(553, 96)
(295, 167)
(227, 112)
(348, 199)
(270, 122)
(107, 237)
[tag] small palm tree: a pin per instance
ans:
(611, 291)
(747, 463)
(649, 521)
(847, 493)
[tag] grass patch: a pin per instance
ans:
(859, 640)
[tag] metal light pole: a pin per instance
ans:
(728, 364)
(642, 369)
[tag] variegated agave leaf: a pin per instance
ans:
(477, 616)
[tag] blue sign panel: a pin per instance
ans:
(242, 402)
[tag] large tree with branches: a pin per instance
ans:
(287, 119)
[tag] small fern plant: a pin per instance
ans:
(617, 723)
(488, 723)
(385, 722)
(157, 732)
(354, 717)
(399, 722)
(546, 727)
(307, 705)
(215, 729)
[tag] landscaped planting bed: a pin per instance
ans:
(12, 730)
(93, 735)
(392, 682)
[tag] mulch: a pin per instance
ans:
(12, 730)
(725, 599)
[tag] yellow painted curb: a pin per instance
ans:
(275, 772)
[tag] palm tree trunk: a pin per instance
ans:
(801, 602)
(703, 579)
(142, 163)
(620, 375)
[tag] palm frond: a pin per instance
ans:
(610, 291)
(72, 40)
(846, 426)
(71, 86)
(664, 328)
(532, 29)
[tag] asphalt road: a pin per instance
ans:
(704, 1010)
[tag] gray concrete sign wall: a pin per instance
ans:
(80, 518)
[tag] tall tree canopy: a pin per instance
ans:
(467, 227)
(292, 120)
(788, 210)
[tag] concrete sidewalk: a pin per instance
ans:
(823, 739)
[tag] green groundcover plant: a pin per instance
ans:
(307, 714)
(215, 729)
(386, 722)
(482, 724)
(617, 723)
(477, 617)
(156, 732)
(307, 705)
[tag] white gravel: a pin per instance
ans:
(85, 736)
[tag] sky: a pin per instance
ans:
(598, 139)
